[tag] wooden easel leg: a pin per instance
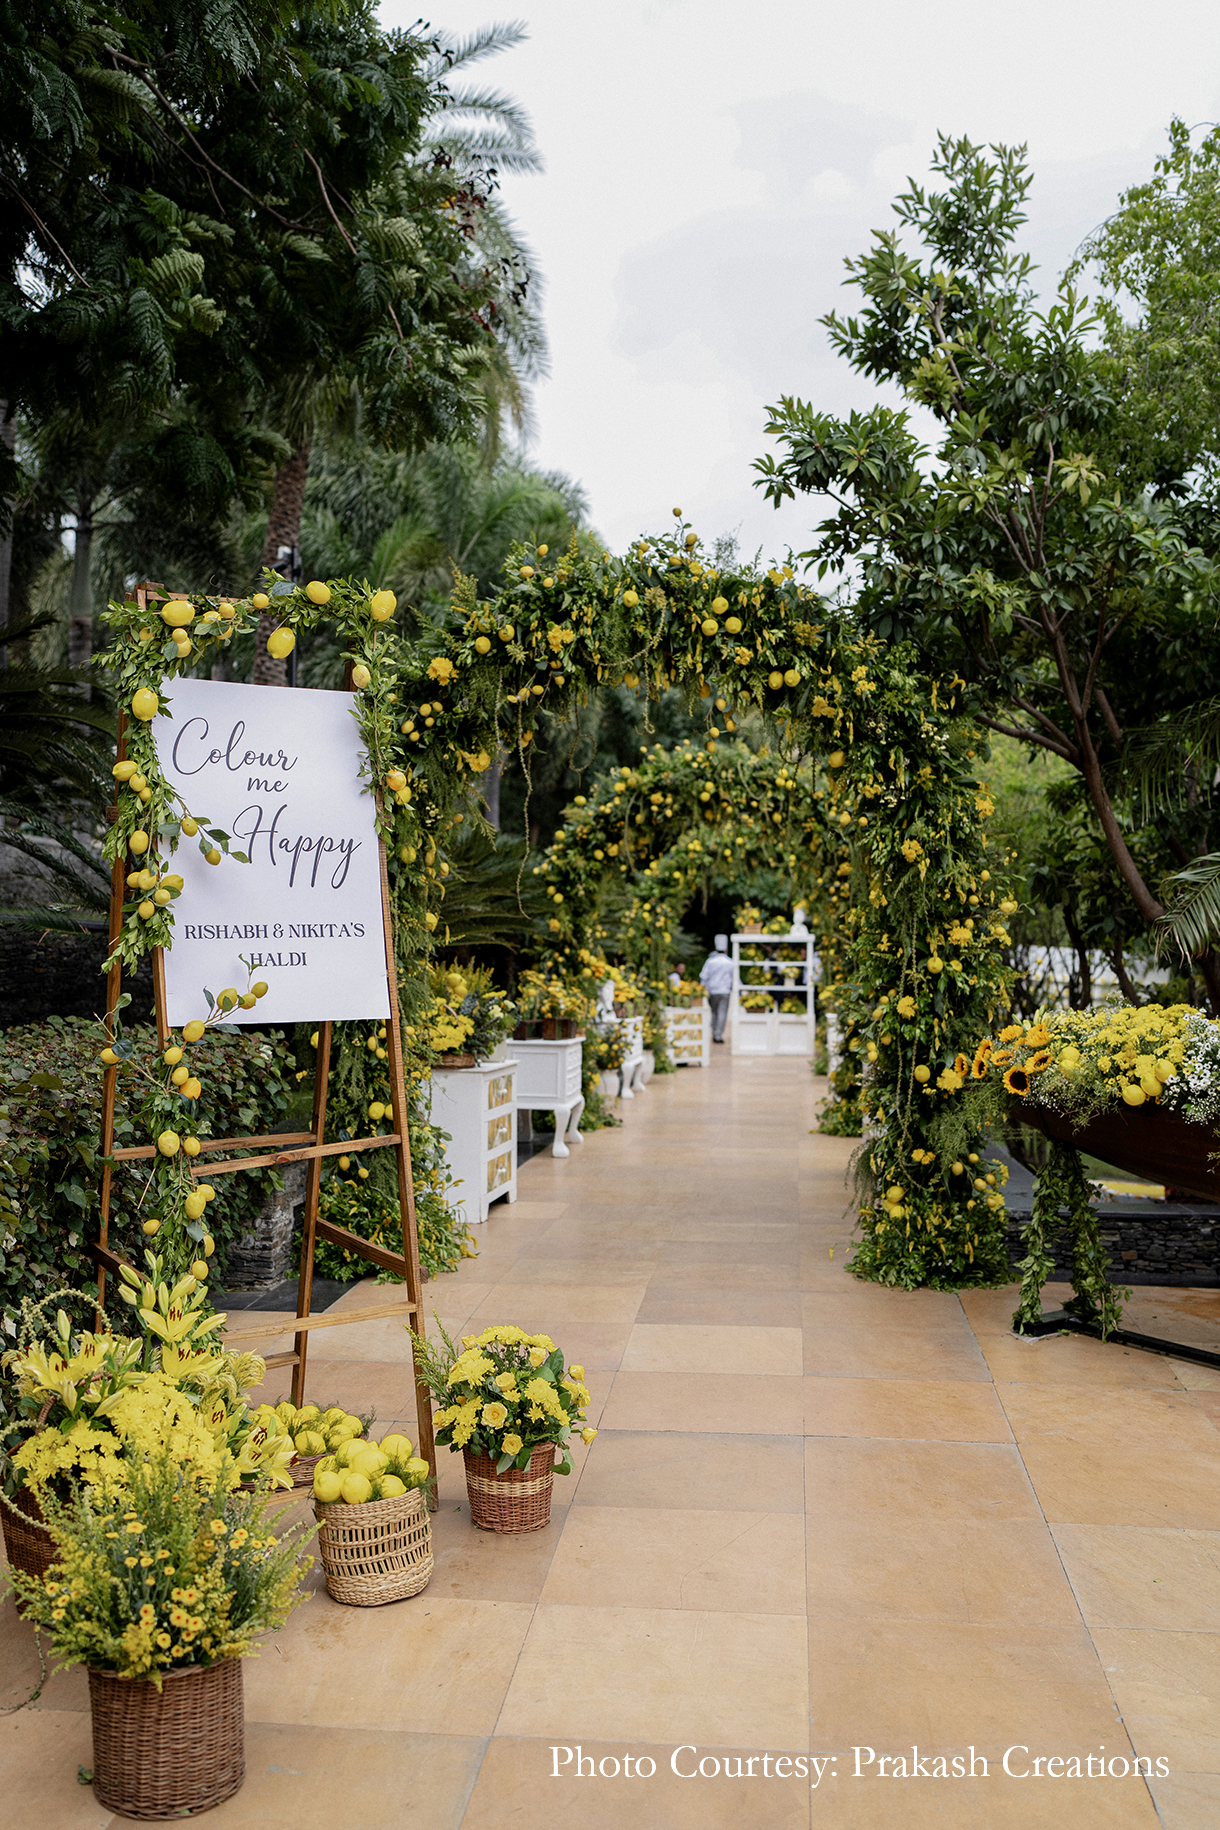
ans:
(313, 1189)
(406, 1186)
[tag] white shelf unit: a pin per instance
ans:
(688, 1031)
(773, 1032)
(548, 1080)
(477, 1107)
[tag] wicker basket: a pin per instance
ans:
(378, 1552)
(27, 1542)
(171, 1752)
(517, 1500)
(302, 1469)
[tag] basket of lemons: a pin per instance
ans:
(371, 1503)
(315, 1433)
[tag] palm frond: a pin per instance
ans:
(488, 41)
(489, 899)
(1192, 920)
(1158, 762)
(51, 920)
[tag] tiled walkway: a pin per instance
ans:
(820, 1516)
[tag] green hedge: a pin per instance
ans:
(50, 1133)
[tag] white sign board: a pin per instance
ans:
(278, 769)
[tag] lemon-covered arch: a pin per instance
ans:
(906, 802)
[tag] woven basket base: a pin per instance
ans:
(302, 1470)
(375, 1553)
(516, 1501)
(175, 1753)
(27, 1542)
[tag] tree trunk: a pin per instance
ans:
(8, 434)
(280, 552)
(80, 601)
(1084, 984)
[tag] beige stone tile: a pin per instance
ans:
(875, 1303)
(694, 1348)
(863, 1350)
(603, 1672)
(705, 1401)
(961, 1410)
(705, 1230)
(994, 1803)
(993, 1309)
(474, 1565)
(871, 1567)
(1167, 1685)
(570, 1269)
(727, 1277)
(654, 1557)
(40, 1753)
(676, 1469)
(1102, 1417)
(1077, 1485)
(915, 1480)
(946, 1686)
(540, 1210)
(516, 1777)
(772, 1308)
(1188, 1801)
(349, 1778)
(1074, 1359)
(1133, 1576)
(430, 1665)
(547, 1308)
(21, 1670)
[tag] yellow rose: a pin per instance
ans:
(512, 1444)
(495, 1416)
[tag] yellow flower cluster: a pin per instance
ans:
(1139, 1055)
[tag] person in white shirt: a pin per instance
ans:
(717, 980)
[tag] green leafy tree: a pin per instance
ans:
(1023, 550)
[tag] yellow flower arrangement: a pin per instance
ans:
(1080, 1062)
(503, 1393)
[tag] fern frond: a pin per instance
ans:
(1192, 920)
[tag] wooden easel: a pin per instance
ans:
(277, 1149)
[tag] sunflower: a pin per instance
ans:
(1038, 1036)
(1038, 1062)
(1013, 1033)
(961, 1067)
(980, 1063)
(1000, 1057)
(1016, 1080)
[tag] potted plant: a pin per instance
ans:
(80, 1402)
(161, 1585)
(469, 1017)
(550, 1008)
(508, 1405)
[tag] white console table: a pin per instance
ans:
(548, 1080)
(477, 1107)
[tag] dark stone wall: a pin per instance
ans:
(1176, 1244)
(45, 975)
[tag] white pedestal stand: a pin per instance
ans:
(476, 1106)
(548, 1080)
(633, 1058)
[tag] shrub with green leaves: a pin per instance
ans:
(50, 1162)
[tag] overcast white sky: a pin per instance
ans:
(708, 166)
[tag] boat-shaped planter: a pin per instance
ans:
(1147, 1141)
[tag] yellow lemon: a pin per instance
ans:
(152, 1228)
(398, 1448)
(327, 1486)
(376, 1109)
(109, 1057)
(162, 897)
(281, 642)
(168, 1143)
(260, 600)
(317, 592)
(506, 632)
(360, 676)
(260, 988)
(936, 965)
(733, 624)
(482, 645)
(194, 1205)
(213, 856)
(367, 1460)
(923, 1074)
(190, 829)
(836, 759)
(247, 1000)
(177, 613)
(719, 605)
(138, 843)
(396, 781)
(145, 704)
(199, 1271)
(1134, 1096)
(382, 606)
(709, 625)
(191, 1145)
(123, 772)
(391, 1486)
(193, 1030)
(206, 1190)
(355, 1489)
(631, 599)
(792, 676)
(191, 1089)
